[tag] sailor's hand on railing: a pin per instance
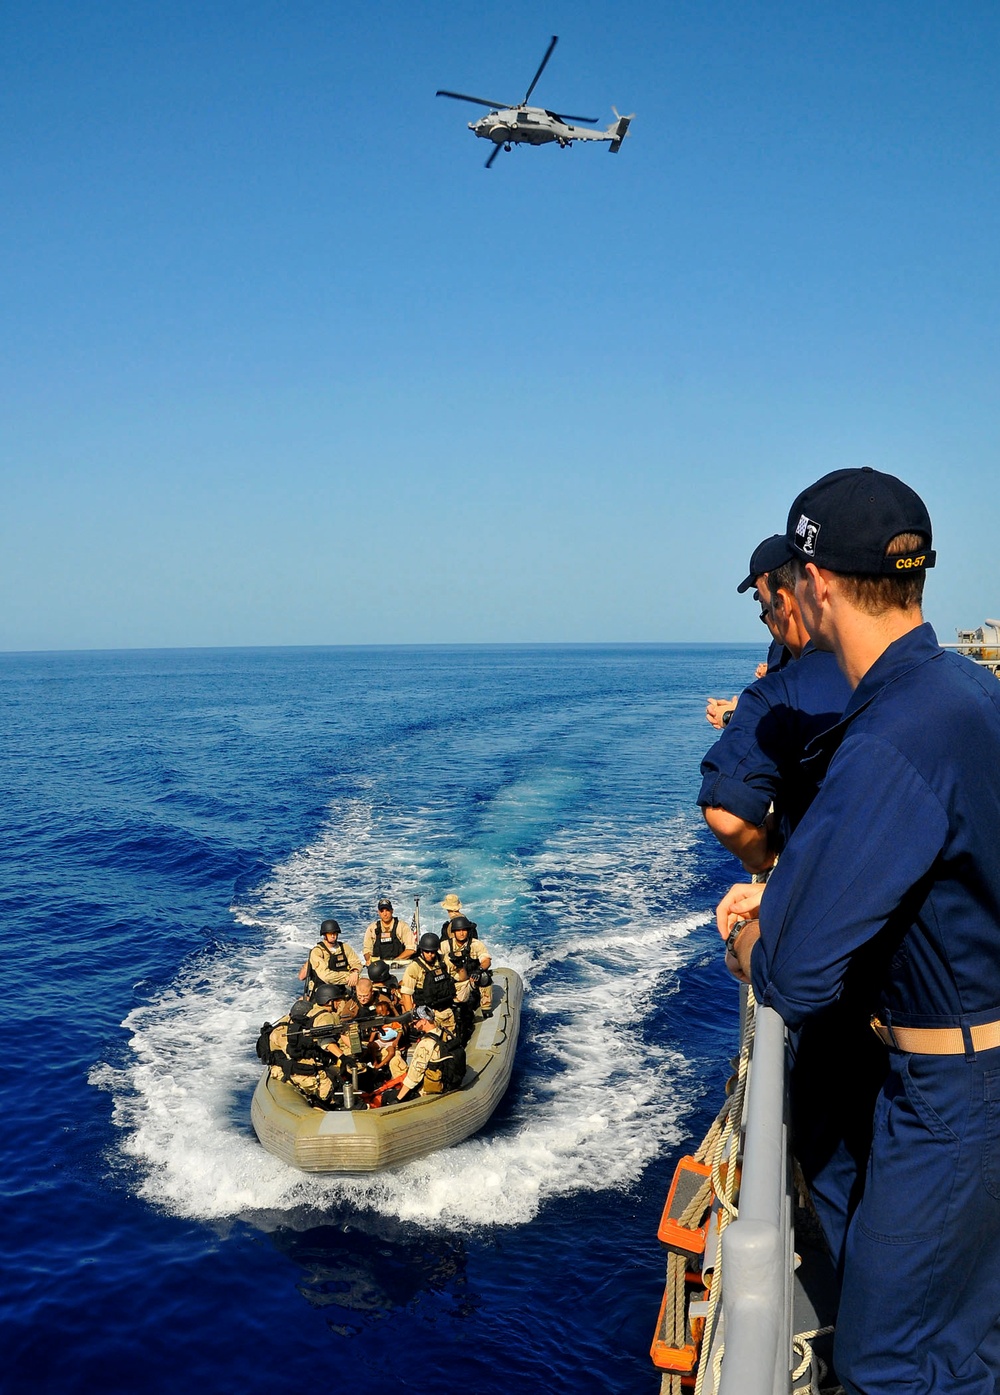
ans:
(741, 902)
(739, 946)
(736, 918)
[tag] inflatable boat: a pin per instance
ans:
(368, 1140)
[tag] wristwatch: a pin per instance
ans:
(734, 935)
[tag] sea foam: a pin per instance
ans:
(595, 920)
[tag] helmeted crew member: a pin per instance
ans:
(468, 960)
(386, 983)
(310, 1063)
(388, 937)
(330, 961)
(836, 1064)
(893, 876)
(436, 1044)
(765, 557)
(428, 983)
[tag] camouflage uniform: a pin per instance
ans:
(413, 986)
(334, 965)
(477, 952)
(310, 1066)
(397, 928)
(431, 1047)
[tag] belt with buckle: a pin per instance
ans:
(938, 1041)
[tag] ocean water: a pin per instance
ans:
(175, 824)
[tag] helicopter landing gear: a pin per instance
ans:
(507, 148)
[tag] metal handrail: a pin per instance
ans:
(757, 1253)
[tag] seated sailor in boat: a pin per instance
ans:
(388, 937)
(436, 1063)
(468, 961)
(364, 1001)
(330, 961)
(386, 984)
(334, 999)
(453, 906)
(303, 1048)
(428, 983)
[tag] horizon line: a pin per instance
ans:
(433, 644)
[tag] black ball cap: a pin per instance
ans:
(385, 904)
(330, 927)
(845, 521)
(771, 553)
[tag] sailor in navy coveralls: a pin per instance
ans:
(893, 877)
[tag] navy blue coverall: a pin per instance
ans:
(836, 1063)
(757, 759)
(894, 872)
(777, 656)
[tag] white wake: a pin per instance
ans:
(594, 1100)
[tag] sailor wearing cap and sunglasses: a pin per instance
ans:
(757, 761)
(767, 555)
(892, 879)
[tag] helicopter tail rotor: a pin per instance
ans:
(618, 130)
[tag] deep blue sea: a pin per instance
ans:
(175, 825)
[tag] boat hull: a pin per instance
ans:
(368, 1140)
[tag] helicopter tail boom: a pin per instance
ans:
(618, 131)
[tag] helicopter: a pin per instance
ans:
(507, 125)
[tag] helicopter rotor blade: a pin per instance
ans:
(590, 120)
(493, 154)
(541, 67)
(479, 101)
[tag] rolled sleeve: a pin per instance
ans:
(720, 791)
(737, 774)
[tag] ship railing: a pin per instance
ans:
(757, 1247)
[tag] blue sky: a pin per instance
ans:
(283, 364)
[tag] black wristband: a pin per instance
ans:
(734, 935)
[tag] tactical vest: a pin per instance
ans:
(448, 1071)
(438, 987)
(462, 958)
(336, 957)
(287, 1046)
(387, 946)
